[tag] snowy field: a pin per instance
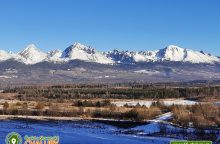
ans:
(76, 132)
(88, 132)
(148, 103)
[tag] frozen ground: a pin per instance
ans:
(148, 103)
(77, 132)
(88, 132)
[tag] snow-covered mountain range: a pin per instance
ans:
(32, 55)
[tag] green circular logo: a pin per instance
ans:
(13, 138)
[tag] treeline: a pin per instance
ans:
(103, 91)
(89, 103)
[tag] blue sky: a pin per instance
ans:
(109, 24)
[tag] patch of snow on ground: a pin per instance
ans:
(149, 102)
(164, 117)
(149, 72)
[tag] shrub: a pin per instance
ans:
(200, 115)
(40, 106)
(5, 105)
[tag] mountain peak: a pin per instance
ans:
(54, 55)
(31, 47)
(77, 48)
(54, 52)
(32, 54)
(85, 53)
(79, 45)
(173, 48)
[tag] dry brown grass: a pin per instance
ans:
(8, 96)
(40, 106)
(200, 115)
